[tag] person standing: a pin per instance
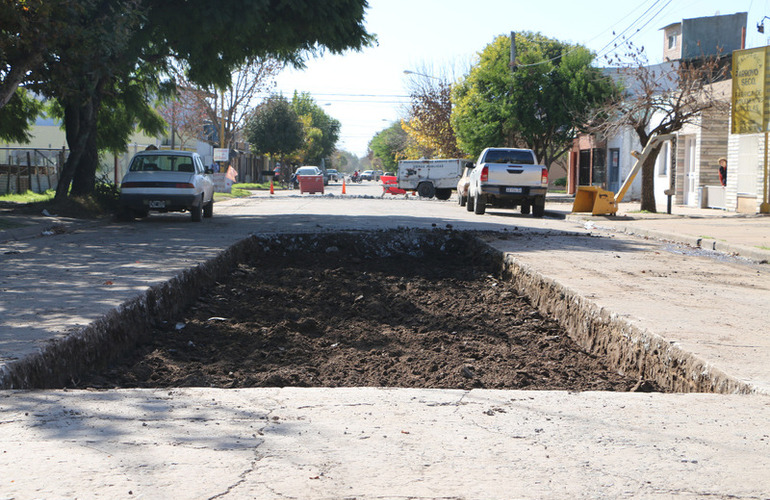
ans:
(723, 171)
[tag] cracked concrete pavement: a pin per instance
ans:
(376, 442)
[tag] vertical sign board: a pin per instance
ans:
(749, 91)
(751, 110)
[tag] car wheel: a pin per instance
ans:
(426, 190)
(480, 204)
(525, 208)
(443, 194)
(538, 207)
(469, 202)
(196, 212)
(208, 209)
(460, 199)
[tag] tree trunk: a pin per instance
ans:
(648, 180)
(76, 143)
(80, 128)
(84, 178)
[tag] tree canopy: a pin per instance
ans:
(89, 54)
(541, 103)
(429, 119)
(321, 130)
(275, 128)
(389, 145)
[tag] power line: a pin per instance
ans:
(622, 33)
(599, 53)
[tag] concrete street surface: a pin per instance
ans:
(60, 275)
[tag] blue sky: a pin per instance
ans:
(365, 90)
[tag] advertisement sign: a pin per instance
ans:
(750, 106)
(221, 154)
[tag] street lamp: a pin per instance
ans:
(410, 72)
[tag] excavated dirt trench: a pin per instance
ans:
(395, 309)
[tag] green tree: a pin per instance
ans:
(114, 46)
(542, 103)
(18, 115)
(321, 130)
(345, 161)
(389, 145)
(275, 128)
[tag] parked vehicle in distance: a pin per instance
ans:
(367, 175)
(166, 181)
(437, 177)
(376, 174)
(462, 185)
(332, 175)
(508, 177)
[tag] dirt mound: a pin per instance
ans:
(332, 317)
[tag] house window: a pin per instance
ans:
(671, 41)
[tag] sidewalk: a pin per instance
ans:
(727, 232)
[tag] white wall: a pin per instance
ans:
(626, 142)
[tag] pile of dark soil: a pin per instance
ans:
(331, 319)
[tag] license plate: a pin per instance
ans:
(513, 190)
(157, 204)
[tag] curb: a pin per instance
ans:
(756, 254)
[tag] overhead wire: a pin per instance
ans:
(599, 53)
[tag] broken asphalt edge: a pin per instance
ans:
(628, 348)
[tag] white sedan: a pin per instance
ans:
(167, 181)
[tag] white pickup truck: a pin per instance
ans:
(508, 177)
(430, 177)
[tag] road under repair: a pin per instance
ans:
(388, 442)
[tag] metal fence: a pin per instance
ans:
(30, 169)
(37, 169)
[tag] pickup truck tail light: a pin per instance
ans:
(544, 177)
(484, 174)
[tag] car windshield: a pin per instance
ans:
(307, 171)
(522, 157)
(162, 163)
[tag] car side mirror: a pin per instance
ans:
(208, 170)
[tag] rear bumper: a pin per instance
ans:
(513, 192)
(160, 202)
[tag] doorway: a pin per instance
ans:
(690, 177)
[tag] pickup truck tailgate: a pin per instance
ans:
(514, 175)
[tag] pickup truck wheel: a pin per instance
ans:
(480, 204)
(525, 208)
(469, 202)
(426, 190)
(538, 207)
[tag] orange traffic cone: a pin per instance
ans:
(343, 186)
(272, 191)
